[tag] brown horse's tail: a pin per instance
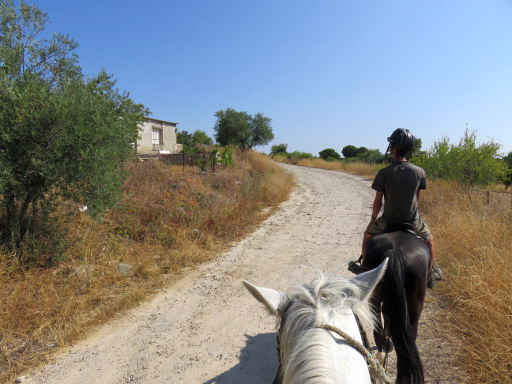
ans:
(396, 315)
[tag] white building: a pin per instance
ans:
(157, 137)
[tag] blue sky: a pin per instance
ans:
(329, 73)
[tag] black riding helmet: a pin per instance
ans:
(402, 140)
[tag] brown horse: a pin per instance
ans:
(399, 297)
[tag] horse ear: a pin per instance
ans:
(267, 296)
(368, 281)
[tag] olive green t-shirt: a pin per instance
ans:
(399, 181)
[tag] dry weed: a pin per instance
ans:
(356, 168)
(474, 241)
(170, 218)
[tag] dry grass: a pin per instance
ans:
(153, 231)
(356, 168)
(474, 242)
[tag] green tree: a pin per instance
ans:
(416, 149)
(261, 130)
(506, 178)
(241, 129)
(184, 138)
(279, 148)
(61, 136)
(329, 154)
(22, 50)
(466, 162)
(371, 156)
(233, 127)
(201, 138)
(350, 151)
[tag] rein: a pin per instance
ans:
(377, 371)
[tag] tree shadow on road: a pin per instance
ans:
(258, 362)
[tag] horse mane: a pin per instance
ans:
(305, 308)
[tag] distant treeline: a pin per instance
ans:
(467, 162)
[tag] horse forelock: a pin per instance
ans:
(304, 348)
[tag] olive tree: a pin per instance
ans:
(62, 136)
(241, 129)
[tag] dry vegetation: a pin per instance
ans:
(473, 240)
(170, 219)
(356, 168)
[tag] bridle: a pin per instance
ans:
(375, 368)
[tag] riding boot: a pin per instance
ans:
(434, 275)
(356, 267)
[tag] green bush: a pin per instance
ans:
(371, 156)
(349, 151)
(466, 162)
(279, 149)
(328, 153)
(506, 177)
(300, 155)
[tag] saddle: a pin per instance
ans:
(395, 226)
(400, 226)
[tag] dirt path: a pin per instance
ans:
(207, 328)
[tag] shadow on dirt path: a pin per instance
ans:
(258, 362)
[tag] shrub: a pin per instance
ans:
(506, 177)
(301, 155)
(350, 151)
(279, 148)
(466, 162)
(371, 156)
(329, 153)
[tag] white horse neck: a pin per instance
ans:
(323, 357)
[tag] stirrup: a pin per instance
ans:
(355, 267)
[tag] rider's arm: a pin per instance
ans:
(418, 195)
(377, 204)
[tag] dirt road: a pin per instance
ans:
(207, 328)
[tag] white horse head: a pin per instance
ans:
(310, 354)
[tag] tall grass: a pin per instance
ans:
(171, 218)
(474, 243)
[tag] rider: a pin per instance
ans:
(400, 184)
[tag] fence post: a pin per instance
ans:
(488, 197)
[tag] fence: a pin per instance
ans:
(500, 198)
(184, 158)
(189, 159)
